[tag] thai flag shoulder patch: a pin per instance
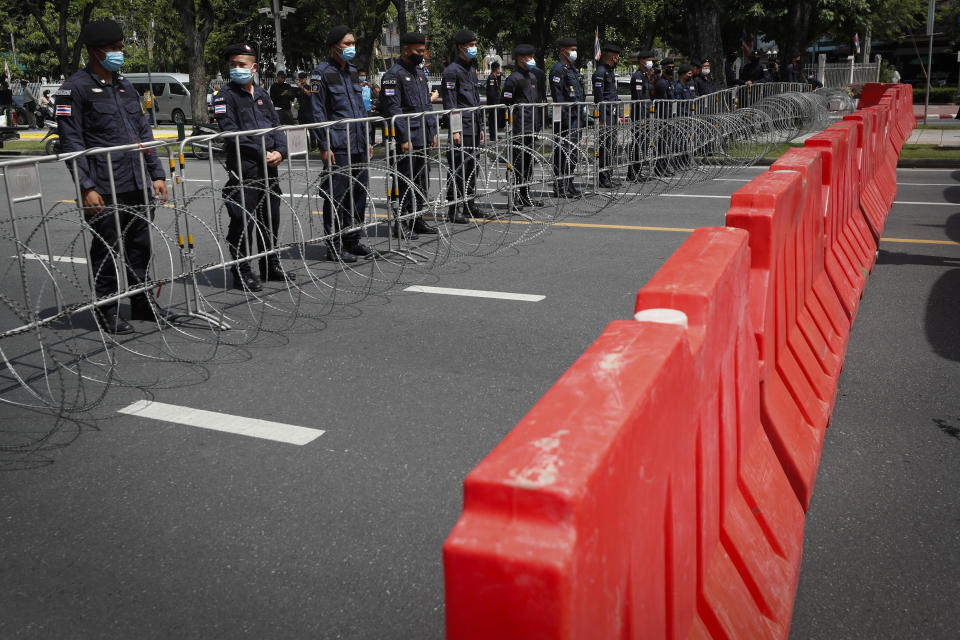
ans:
(389, 92)
(219, 108)
(63, 110)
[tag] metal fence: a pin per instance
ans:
(325, 232)
(837, 75)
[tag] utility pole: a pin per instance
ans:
(277, 13)
(926, 98)
(153, 97)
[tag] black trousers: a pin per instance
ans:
(463, 163)
(565, 152)
(251, 224)
(134, 210)
(640, 144)
(286, 116)
(412, 183)
(608, 149)
(497, 121)
(344, 192)
(521, 152)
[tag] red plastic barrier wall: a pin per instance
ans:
(658, 489)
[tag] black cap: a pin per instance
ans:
(101, 32)
(281, 73)
(336, 34)
(239, 49)
(685, 68)
(644, 54)
(464, 36)
(696, 63)
(666, 62)
(566, 42)
(303, 74)
(494, 65)
(524, 50)
(611, 47)
(413, 37)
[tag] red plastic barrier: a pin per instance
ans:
(615, 511)
(872, 202)
(795, 402)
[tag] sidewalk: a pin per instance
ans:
(935, 112)
(939, 137)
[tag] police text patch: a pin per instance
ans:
(62, 92)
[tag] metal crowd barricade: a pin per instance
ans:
(531, 170)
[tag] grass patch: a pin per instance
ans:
(916, 151)
(23, 145)
(938, 126)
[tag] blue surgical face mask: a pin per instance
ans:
(471, 52)
(531, 63)
(241, 75)
(112, 60)
(348, 53)
(572, 56)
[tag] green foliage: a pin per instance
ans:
(938, 95)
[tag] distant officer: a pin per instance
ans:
(794, 70)
(98, 107)
(664, 93)
(729, 73)
(282, 94)
(605, 90)
(459, 90)
(520, 90)
(337, 95)
(704, 80)
(641, 91)
(565, 86)
(252, 198)
(752, 72)
(304, 103)
(686, 89)
(406, 90)
(494, 90)
(772, 72)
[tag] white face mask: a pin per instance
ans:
(648, 64)
(572, 56)
(705, 71)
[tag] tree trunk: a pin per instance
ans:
(401, 7)
(796, 30)
(195, 37)
(703, 29)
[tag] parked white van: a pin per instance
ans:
(170, 91)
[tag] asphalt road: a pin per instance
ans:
(155, 529)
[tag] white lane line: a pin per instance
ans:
(933, 204)
(690, 195)
(252, 427)
(733, 179)
(476, 293)
(34, 256)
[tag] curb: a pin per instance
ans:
(928, 163)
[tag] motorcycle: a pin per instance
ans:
(51, 140)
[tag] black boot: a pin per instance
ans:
(272, 270)
(245, 280)
(145, 307)
(454, 215)
(422, 228)
(111, 322)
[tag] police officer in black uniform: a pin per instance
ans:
(520, 90)
(337, 95)
(566, 86)
(494, 89)
(686, 88)
(252, 196)
(794, 70)
(405, 89)
(458, 89)
(664, 93)
(605, 90)
(703, 79)
(641, 91)
(98, 107)
(752, 71)
(282, 94)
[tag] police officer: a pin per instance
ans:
(98, 107)
(494, 89)
(772, 72)
(605, 90)
(252, 196)
(565, 86)
(458, 90)
(703, 79)
(752, 71)
(664, 93)
(794, 70)
(282, 95)
(641, 91)
(337, 95)
(520, 89)
(729, 73)
(686, 89)
(405, 90)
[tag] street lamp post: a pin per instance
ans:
(277, 13)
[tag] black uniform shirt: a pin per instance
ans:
(605, 90)
(405, 89)
(494, 83)
(277, 91)
(520, 88)
(459, 90)
(338, 95)
(565, 87)
(91, 113)
(236, 109)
